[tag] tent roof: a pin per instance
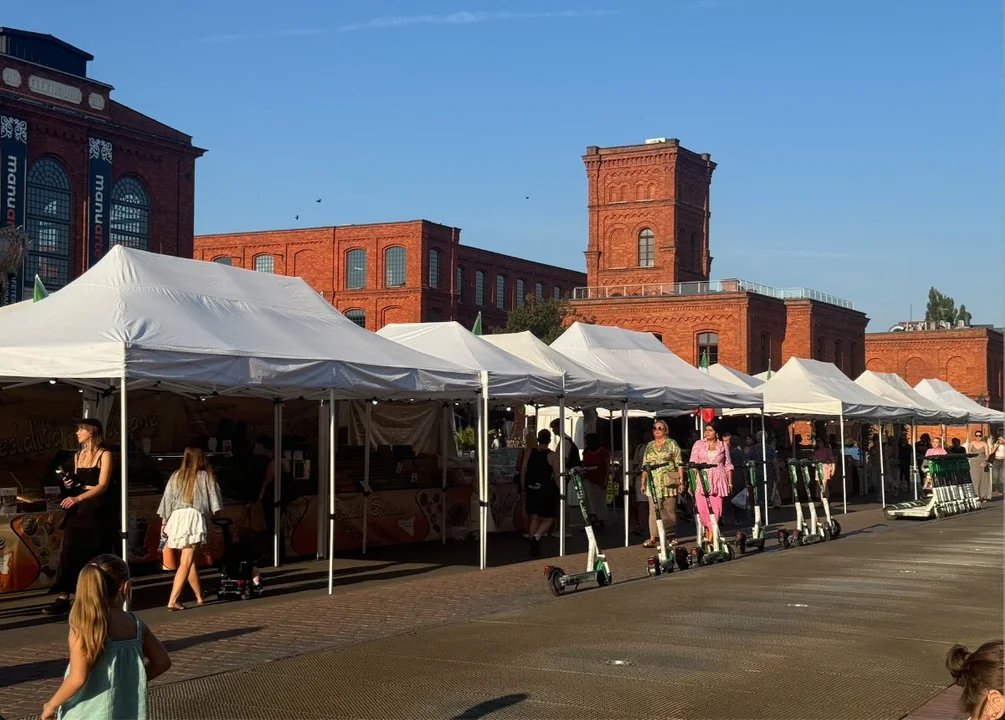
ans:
(656, 377)
(891, 387)
(582, 385)
(205, 327)
(734, 377)
(945, 394)
(810, 388)
(508, 375)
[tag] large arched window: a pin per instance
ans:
(480, 288)
(556, 292)
(520, 292)
(434, 315)
(459, 283)
(224, 260)
(647, 248)
(357, 316)
(434, 268)
(129, 219)
(394, 267)
(264, 264)
(355, 269)
(501, 292)
(708, 347)
(539, 291)
(47, 222)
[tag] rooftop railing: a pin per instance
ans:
(712, 287)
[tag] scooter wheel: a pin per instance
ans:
(793, 539)
(741, 542)
(699, 556)
(760, 544)
(783, 538)
(835, 529)
(604, 579)
(682, 557)
(728, 552)
(827, 533)
(554, 581)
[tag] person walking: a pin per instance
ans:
(663, 449)
(599, 458)
(113, 655)
(998, 462)
(190, 499)
(712, 451)
(539, 480)
(979, 456)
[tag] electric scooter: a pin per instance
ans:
(663, 561)
(756, 539)
(705, 552)
(803, 534)
(597, 569)
(825, 503)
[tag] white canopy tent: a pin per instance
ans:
(892, 388)
(142, 320)
(503, 377)
(946, 395)
(811, 389)
(733, 376)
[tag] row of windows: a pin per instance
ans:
(500, 294)
(48, 215)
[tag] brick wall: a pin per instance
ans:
(825, 332)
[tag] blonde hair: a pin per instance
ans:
(98, 586)
(193, 462)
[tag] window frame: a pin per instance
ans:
(272, 263)
(129, 213)
(521, 291)
(354, 315)
(434, 268)
(646, 256)
(392, 265)
(707, 344)
(53, 265)
(500, 294)
(480, 288)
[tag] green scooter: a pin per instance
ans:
(597, 569)
(756, 539)
(663, 562)
(717, 549)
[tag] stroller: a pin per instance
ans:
(237, 566)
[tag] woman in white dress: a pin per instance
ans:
(190, 499)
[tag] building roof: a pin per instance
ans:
(28, 34)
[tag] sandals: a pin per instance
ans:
(650, 543)
(176, 608)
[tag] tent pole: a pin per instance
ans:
(764, 466)
(624, 464)
(446, 451)
(333, 411)
(914, 455)
(844, 467)
(124, 471)
(322, 463)
(277, 477)
(484, 457)
(562, 478)
(366, 471)
(882, 472)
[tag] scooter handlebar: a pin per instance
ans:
(579, 470)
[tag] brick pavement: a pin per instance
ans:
(203, 643)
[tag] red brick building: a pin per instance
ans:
(384, 273)
(648, 264)
(82, 172)
(970, 359)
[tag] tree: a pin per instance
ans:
(942, 308)
(545, 319)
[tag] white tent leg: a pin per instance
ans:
(323, 410)
(366, 472)
(277, 478)
(624, 463)
(844, 469)
(562, 479)
(124, 469)
(882, 472)
(914, 455)
(484, 458)
(446, 450)
(333, 410)
(764, 467)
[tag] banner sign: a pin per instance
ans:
(99, 196)
(13, 156)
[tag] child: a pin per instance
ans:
(106, 677)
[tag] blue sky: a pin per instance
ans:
(859, 143)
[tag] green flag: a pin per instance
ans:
(477, 327)
(704, 361)
(40, 292)
(769, 368)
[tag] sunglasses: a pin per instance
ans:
(659, 427)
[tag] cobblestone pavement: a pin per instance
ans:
(207, 641)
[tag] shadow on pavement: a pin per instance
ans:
(490, 706)
(50, 669)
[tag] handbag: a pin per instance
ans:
(740, 499)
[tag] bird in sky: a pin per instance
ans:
(318, 200)
(296, 217)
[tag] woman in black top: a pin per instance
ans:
(539, 483)
(89, 527)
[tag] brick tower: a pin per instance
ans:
(649, 214)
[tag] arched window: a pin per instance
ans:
(480, 288)
(501, 292)
(224, 260)
(129, 219)
(520, 292)
(820, 349)
(556, 292)
(434, 268)
(459, 283)
(853, 360)
(708, 347)
(265, 264)
(47, 222)
(434, 315)
(357, 316)
(394, 267)
(647, 248)
(355, 269)
(539, 291)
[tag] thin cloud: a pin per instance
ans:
(402, 21)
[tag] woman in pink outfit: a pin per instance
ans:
(823, 455)
(712, 451)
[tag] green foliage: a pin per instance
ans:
(466, 438)
(942, 308)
